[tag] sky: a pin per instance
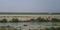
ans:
(29, 5)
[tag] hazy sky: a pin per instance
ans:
(29, 5)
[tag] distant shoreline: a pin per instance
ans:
(27, 13)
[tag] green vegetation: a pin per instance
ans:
(7, 28)
(42, 19)
(14, 20)
(39, 19)
(55, 20)
(4, 20)
(13, 28)
(53, 28)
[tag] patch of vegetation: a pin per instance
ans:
(3, 20)
(15, 20)
(53, 28)
(7, 28)
(39, 19)
(55, 20)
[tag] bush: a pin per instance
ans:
(15, 20)
(4, 20)
(58, 28)
(55, 20)
(41, 19)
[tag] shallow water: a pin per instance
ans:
(30, 23)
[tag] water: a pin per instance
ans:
(30, 23)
